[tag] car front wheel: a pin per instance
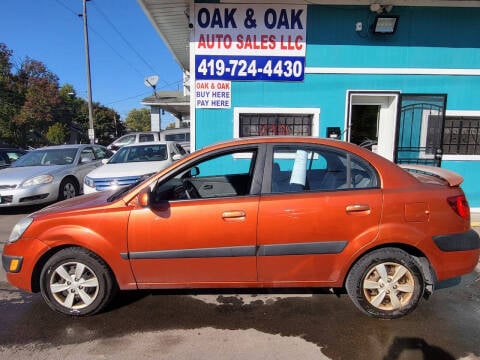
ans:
(68, 189)
(75, 281)
(386, 283)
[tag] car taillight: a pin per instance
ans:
(459, 204)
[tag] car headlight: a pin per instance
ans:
(19, 229)
(89, 182)
(38, 180)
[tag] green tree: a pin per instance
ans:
(107, 124)
(139, 120)
(57, 134)
(9, 102)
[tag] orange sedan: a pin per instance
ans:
(258, 212)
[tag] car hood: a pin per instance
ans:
(18, 174)
(128, 169)
(78, 203)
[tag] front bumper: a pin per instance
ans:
(19, 260)
(29, 196)
(12, 264)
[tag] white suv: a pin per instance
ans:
(133, 138)
(180, 135)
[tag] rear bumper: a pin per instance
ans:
(455, 254)
(468, 240)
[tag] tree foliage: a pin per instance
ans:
(9, 102)
(35, 110)
(57, 134)
(139, 120)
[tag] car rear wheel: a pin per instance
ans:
(68, 189)
(75, 281)
(385, 283)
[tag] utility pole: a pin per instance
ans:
(91, 132)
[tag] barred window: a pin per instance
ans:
(461, 135)
(275, 124)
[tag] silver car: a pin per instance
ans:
(49, 174)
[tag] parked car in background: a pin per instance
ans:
(180, 135)
(49, 174)
(131, 164)
(134, 138)
(9, 155)
(255, 213)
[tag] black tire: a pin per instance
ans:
(81, 294)
(68, 189)
(386, 283)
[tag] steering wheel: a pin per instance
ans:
(191, 191)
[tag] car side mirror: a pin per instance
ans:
(104, 161)
(176, 157)
(194, 171)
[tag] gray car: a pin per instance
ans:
(49, 174)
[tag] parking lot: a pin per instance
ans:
(312, 324)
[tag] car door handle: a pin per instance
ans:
(358, 209)
(208, 187)
(234, 215)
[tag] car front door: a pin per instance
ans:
(200, 227)
(87, 162)
(316, 206)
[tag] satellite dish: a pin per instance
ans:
(151, 81)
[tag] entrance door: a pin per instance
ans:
(364, 129)
(371, 121)
(420, 129)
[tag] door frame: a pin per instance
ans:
(387, 120)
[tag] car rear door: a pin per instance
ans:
(314, 213)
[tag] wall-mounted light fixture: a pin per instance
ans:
(385, 24)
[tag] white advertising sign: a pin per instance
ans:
(213, 94)
(250, 41)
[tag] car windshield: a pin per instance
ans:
(156, 152)
(46, 157)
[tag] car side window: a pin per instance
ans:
(225, 175)
(124, 140)
(145, 137)
(101, 153)
(87, 155)
(13, 155)
(300, 169)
